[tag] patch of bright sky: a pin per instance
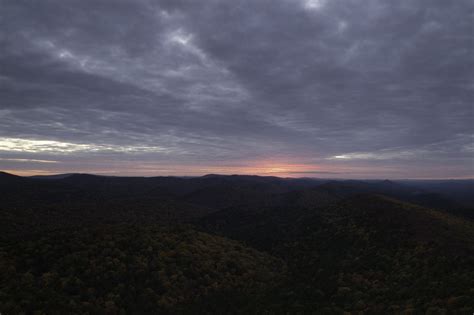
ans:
(383, 155)
(59, 147)
(314, 4)
(27, 160)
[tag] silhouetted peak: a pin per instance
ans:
(83, 175)
(8, 176)
(55, 176)
(5, 174)
(213, 176)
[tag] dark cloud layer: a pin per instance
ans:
(331, 88)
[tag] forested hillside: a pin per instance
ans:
(132, 269)
(83, 244)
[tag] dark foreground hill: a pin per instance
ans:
(366, 253)
(131, 269)
(83, 244)
(378, 255)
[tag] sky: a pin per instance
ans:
(292, 88)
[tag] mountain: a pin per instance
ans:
(374, 254)
(360, 254)
(84, 243)
(459, 190)
(145, 269)
(402, 222)
(56, 176)
(7, 176)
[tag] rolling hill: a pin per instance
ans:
(132, 269)
(82, 243)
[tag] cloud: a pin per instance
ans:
(341, 81)
(381, 155)
(58, 147)
(27, 160)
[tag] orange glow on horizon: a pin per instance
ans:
(264, 167)
(261, 167)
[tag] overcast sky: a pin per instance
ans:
(307, 88)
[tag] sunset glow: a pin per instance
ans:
(281, 88)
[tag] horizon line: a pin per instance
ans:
(235, 174)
